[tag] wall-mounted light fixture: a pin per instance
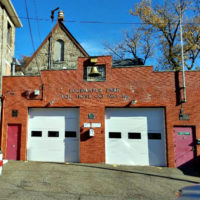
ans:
(183, 116)
(93, 60)
(91, 132)
(198, 141)
(133, 101)
(51, 102)
(36, 92)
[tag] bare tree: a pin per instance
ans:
(164, 21)
(137, 44)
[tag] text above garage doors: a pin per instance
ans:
(53, 134)
(135, 136)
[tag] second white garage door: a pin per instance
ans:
(135, 136)
(53, 134)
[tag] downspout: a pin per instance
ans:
(182, 115)
(49, 55)
(51, 39)
(2, 39)
(182, 57)
(1, 73)
(1, 132)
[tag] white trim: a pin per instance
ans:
(12, 13)
(53, 149)
(138, 151)
(6, 62)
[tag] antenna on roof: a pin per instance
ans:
(52, 13)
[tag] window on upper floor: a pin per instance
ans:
(9, 32)
(59, 51)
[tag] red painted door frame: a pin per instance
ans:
(184, 146)
(13, 142)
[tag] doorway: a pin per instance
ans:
(13, 142)
(184, 146)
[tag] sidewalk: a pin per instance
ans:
(36, 180)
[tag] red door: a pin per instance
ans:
(13, 142)
(184, 146)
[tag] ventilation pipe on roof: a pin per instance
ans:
(52, 13)
(60, 16)
(13, 64)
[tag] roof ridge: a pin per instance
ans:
(49, 35)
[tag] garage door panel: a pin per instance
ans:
(47, 122)
(46, 151)
(48, 144)
(128, 124)
(134, 146)
(71, 151)
(71, 124)
(122, 151)
(55, 157)
(154, 159)
(121, 156)
(53, 145)
(148, 113)
(154, 144)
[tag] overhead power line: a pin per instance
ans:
(29, 25)
(36, 15)
(91, 22)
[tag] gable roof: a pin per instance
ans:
(11, 12)
(71, 37)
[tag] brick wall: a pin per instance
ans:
(65, 89)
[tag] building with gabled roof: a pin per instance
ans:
(95, 110)
(59, 50)
(126, 115)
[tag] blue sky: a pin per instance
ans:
(90, 35)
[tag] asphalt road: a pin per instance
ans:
(36, 180)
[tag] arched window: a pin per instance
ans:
(59, 51)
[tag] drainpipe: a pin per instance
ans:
(1, 73)
(2, 49)
(49, 55)
(1, 128)
(51, 39)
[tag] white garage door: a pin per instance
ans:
(53, 134)
(135, 136)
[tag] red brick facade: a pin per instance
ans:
(64, 88)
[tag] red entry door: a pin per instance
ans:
(13, 142)
(184, 146)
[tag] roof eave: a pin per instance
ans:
(12, 13)
(74, 40)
